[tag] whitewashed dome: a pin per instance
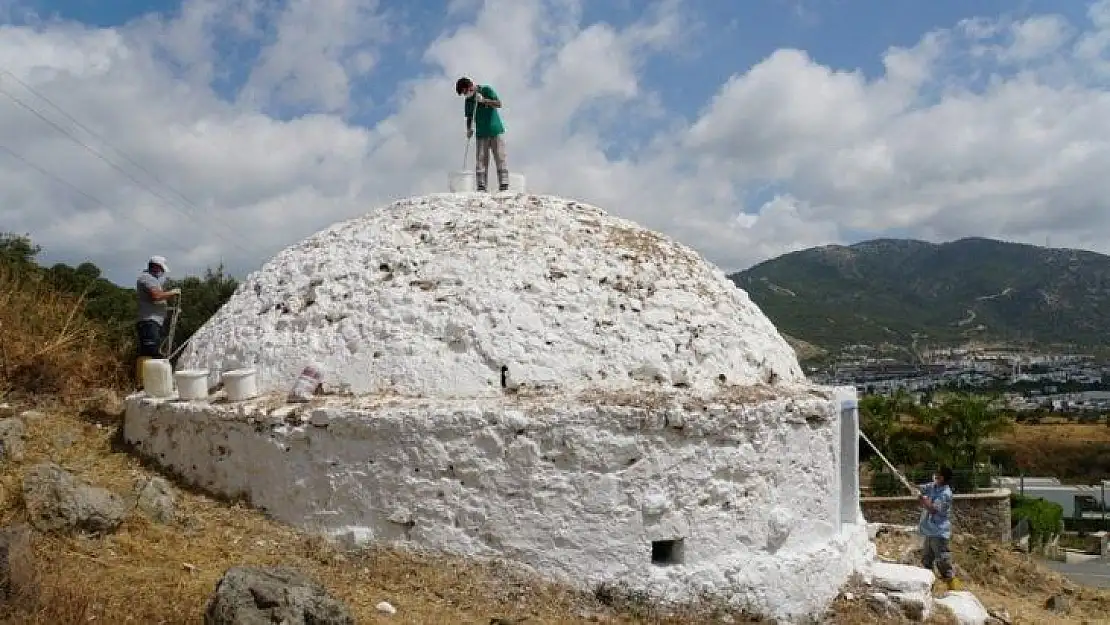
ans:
(467, 295)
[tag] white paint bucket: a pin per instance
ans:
(158, 377)
(517, 183)
(192, 383)
(461, 181)
(240, 384)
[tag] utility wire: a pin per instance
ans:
(58, 179)
(92, 132)
(107, 161)
(114, 148)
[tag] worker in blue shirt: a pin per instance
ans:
(936, 504)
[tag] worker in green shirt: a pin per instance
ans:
(480, 108)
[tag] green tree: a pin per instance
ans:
(17, 251)
(965, 422)
(894, 425)
(201, 297)
(879, 422)
(105, 302)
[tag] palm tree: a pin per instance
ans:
(964, 422)
(881, 421)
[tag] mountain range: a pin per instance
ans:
(903, 292)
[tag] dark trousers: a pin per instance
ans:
(937, 552)
(150, 336)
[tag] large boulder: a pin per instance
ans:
(264, 596)
(155, 497)
(907, 587)
(58, 502)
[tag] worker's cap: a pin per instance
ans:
(160, 261)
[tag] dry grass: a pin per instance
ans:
(1005, 579)
(1056, 433)
(47, 345)
(1073, 452)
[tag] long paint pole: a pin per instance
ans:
(905, 482)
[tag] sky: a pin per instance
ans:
(221, 131)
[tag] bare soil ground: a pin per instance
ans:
(1056, 433)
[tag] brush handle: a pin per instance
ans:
(905, 482)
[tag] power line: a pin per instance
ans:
(92, 132)
(75, 189)
(111, 164)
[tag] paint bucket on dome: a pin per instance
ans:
(240, 384)
(461, 181)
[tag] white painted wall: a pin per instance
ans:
(432, 296)
(848, 460)
(576, 488)
(567, 388)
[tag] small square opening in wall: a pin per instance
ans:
(666, 552)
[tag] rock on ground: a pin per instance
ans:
(12, 433)
(908, 587)
(154, 497)
(28, 416)
(966, 607)
(57, 501)
(264, 596)
(385, 607)
(15, 559)
(1059, 604)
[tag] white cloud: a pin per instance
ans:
(318, 49)
(995, 127)
(1037, 36)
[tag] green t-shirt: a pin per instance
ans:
(487, 123)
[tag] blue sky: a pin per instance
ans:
(710, 130)
(845, 34)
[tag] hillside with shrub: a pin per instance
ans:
(903, 291)
(66, 329)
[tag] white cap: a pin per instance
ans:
(161, 261)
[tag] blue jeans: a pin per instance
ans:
(150, 336)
